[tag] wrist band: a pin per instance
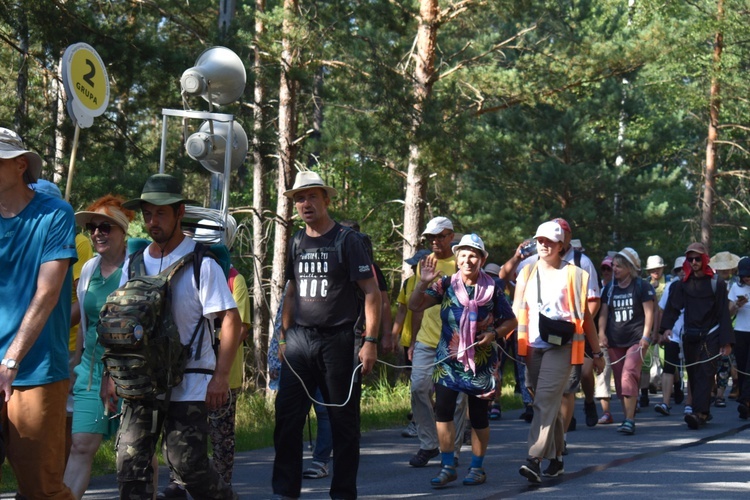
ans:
(282, 342)
(371, 339)
(647, 339)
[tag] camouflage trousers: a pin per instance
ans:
(221, 431)
(184, 446)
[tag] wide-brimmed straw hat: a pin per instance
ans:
(724, 261)
(308, 179)
(160, 189)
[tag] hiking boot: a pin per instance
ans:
(627, 427)
(662, 408)
(475, 477)
(531, 470)
(446, 475)
(423, 457)
(317, 470)
(528, 414)
(554, 469)
(591, 415)
(606, 419)
(173, 490)
(694, 422)
(410, 431)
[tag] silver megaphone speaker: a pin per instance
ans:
(209, 149)
(218, 76)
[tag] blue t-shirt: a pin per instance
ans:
(44, 231)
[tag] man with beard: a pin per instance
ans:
(205, 385)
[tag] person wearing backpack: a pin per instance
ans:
(199, 295)
(707, 329)
(327, 268)
(625, 325)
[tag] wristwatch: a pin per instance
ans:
(599, 354)
(11, 364)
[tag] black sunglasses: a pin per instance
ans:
(104, 227)
(697, 258)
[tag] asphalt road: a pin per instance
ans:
(663, 459)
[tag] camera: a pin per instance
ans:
(528, 249)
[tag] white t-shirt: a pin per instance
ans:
(554, 300)
(742, 323)
(680, 323)
(594, 292)
(187, 308)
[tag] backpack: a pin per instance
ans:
(142, 349)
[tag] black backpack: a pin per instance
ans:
(142, 349)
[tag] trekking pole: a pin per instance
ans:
(309, 431)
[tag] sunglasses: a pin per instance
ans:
(697, 258)
(440, 237)
(104, 227)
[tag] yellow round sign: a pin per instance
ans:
(85, 79)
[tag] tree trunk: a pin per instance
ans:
(286, 152)
(22, 78)
(707, 215)
(227, 9)
(424, 78)
(59, 138)
(260, 202)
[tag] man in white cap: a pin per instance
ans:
(327, 268)
(439, 234)
(651, 370)
(37, 250)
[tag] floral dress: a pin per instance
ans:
(452, 373)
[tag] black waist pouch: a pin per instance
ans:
(555, 331)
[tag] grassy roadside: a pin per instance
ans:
(384, 405)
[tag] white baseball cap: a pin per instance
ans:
(550, 230)
(437, 225)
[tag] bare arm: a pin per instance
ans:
(648, 323)
(287, 316)
(368, 354)
(590, 331)
(603, 313)
(218, 386)
(386, 324)
(48, 285)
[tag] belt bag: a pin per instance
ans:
(555, 331)
(691, 335)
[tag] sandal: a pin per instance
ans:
(475, 476)
(447, 474)
(317, 470)
(627, 427)
(606, 419)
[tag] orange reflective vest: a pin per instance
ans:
(577, 287)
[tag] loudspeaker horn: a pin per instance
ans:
(218, 76)
(209, 149)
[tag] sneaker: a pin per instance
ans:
(531, 471)
(688, 409)
(495, 412)
(423, 457)
(528, 414)
(720, 403)
(475, 477)
(743, 410)
(606, 419)
(694, 422)
(554, 469)
(317, 470)
(662, 408)
(643, 401)
(679, 395)
(173, 490)
(446, 475)
(627, 427)
(572, 425)
(410, 431)
(591, 415)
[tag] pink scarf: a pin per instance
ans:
(483, 292)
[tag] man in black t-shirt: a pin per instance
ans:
(328, 270)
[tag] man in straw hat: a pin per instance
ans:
(37, 250)
(185, 417)
(327, 270)
(708, 327)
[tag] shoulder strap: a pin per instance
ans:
(577, 258)
(136, 266)
(338, 242)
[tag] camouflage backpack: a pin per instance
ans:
(142, 349)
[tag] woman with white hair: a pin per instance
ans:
(474, 313)
(625, 323)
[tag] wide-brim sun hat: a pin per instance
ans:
(111, 214)
(654, 262)
(724, 261)
(307, 179)
(550, 230)
(160, 189)
(631, 256)
(472, 241)
(678, 262)
(12, 146)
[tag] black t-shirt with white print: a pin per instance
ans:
(626, 318)
(327, 289)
